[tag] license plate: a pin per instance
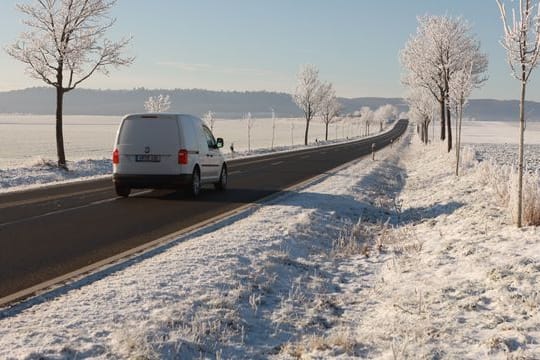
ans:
(147, 158)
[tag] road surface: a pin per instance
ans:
(48, 232)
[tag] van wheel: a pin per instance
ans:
(195, 183)
(122, 190)
(222, 183)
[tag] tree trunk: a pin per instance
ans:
(520, 157)
(326, 132)
(442, 107)
(449, 128)
(307, 131)
(458, 135)
(59, 128)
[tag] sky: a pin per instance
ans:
(261, 44)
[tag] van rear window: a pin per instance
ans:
(139, 130)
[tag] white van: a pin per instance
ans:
(166, 151)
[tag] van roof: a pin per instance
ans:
(157, 114)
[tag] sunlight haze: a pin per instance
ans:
(260, 45)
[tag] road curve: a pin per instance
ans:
(48, 232)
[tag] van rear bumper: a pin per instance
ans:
(152, 181)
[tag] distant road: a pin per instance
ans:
(49, 232)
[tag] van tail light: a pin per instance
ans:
(183, 157)
(116, 157)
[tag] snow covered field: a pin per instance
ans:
(390, 259)
(25, 140)
(28, 152)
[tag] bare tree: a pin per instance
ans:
(249, 124)
(522, 44)
(210, 119)
(158, 104)
(461, 87)
(330, 106)
(273, 127)
(308, 94)
(66, 45)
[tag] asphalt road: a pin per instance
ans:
(49, 232)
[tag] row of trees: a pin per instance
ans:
(442, 49)
(443, 64)
(315, 97)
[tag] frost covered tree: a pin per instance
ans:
(461, 87)
(157, 104)
(249, 125)
(366, 116)
(273, 127)
(521, 41)
(308, 94)
(441, 47)
(422, 107)
(210, 119)
(385, 113)
(65, 44)
(330, 106)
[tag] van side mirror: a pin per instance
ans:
(219, 143)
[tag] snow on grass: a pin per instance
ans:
(394, 258)
(40, 172)
(244, 291)
(457, 279)
(507, 154)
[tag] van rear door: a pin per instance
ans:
(148, 144)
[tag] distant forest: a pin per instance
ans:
(226, 104)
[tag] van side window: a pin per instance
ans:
(210, 140)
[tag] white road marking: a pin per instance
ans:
(61, 211)
(277, 163)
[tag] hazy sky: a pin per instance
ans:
(260, 44)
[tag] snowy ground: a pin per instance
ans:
(45, 172)
(390, 259)
(27, 144)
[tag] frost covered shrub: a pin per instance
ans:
(504, 182)
(496, 177)
(531, 197)
(352, 240)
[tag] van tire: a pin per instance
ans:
(122, 191)
(195, 186)
(223, 177)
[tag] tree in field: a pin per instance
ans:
(273, 128)
(65, 45)
(249, 124)
(367, 117)
(308, 94)
(522, 44)
(210, 119)
(330, 106)
(385, 113)
(441, 47)
(422, 107)
(461, 87)
(157, 104)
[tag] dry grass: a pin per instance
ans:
(504, 182)
(341, 341)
